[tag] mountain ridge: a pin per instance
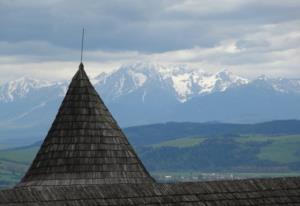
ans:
(179, 77)
(146, 93)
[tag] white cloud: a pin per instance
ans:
(205, 7)
(249, 37)
(275, 59)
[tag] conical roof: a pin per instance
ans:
(85, 145)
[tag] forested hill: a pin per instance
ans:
(155, 133)
(195, 147)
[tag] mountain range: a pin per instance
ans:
(145, 93)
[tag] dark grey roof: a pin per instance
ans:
(87, 160)
(85, 145)
(281, 191)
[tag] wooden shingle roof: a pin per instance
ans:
(279, 191)
(85, 145)
(86, 160)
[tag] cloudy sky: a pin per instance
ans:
(248, 37)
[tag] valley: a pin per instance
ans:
(196, 151)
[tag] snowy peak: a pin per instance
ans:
(225, 80)
(287, 85)
(129, 78)
(190, 82)
(134, 75)
(21, 87)
(140, 72)
(181, 82)
(228, 76)
(99, 78)
(186, 81)
(282, 85)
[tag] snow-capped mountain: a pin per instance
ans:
(190, 83)
(28, 103)
(143, 93)
(283, 85)
(24, 86)
(182, 81)
(129, 79)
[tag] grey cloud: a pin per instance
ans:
(147, 26)
(261, 32)
(246, 44)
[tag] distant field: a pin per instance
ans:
(11, 173)
(201, 152)
(181, 142)
(282, 149)
(14, 163)
(20, 155)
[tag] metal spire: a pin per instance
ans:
(82, 39)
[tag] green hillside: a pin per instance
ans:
(248, 155)
(180, 142)
(280, 149)
(156, 133)
(19, 155)
(11, 173)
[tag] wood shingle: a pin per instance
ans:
(85, 145)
